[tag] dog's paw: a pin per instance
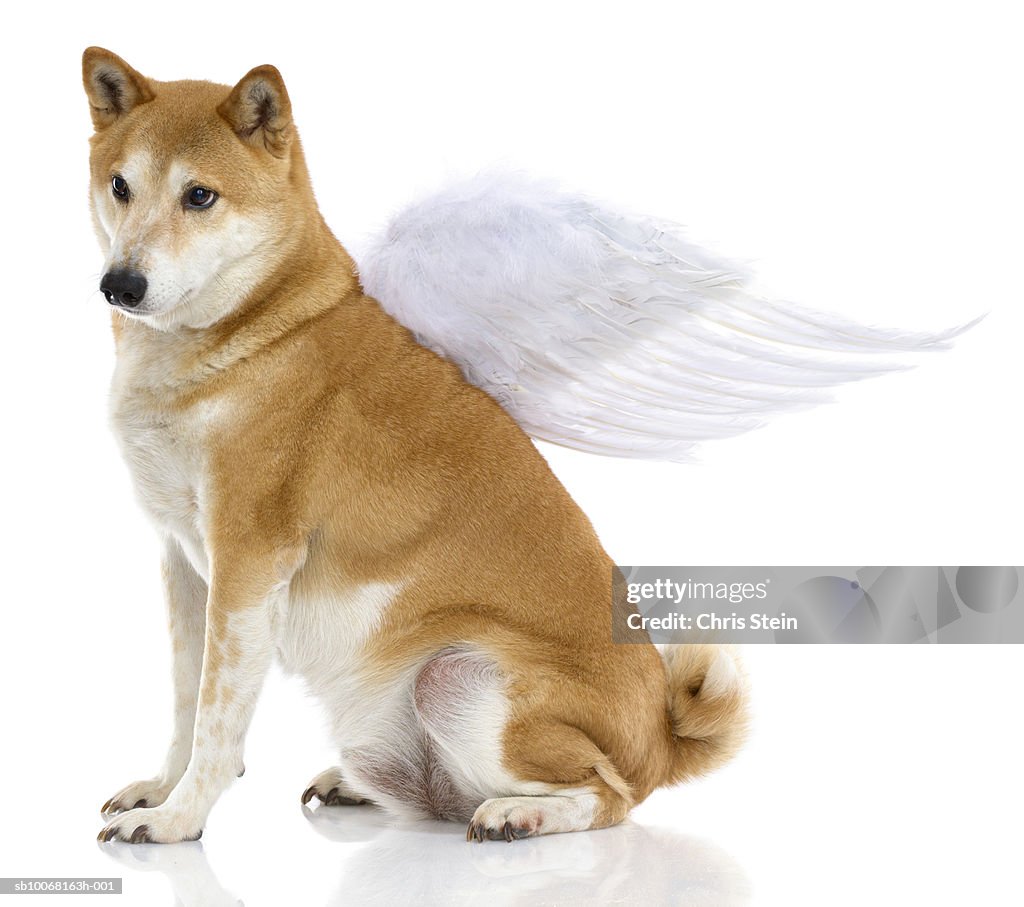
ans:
(141, 794)
(329, 788)
(506, 819)
(152, 826)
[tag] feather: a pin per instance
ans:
(604, 331)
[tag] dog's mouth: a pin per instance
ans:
(129, 308)
(137, 314)
(137, 310)
(130, 298)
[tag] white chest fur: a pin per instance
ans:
(164, 449)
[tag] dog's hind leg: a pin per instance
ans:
(563, 783)
(575, 809)
(185, 593)
(533, 777)
(329, 787)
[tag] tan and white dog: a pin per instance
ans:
(334, 494)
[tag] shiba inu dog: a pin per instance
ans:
(333, 494)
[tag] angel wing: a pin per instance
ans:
(608, 332)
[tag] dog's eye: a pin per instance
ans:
(120, 188)
(200, 197)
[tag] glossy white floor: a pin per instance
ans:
(866, 156)
(875, 775)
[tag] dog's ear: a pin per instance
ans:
(259, 111)
(112, 86)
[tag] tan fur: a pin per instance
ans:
(320, 449)
(708, 705)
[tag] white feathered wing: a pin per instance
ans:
(607, 332)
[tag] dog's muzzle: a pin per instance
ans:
(123, 287)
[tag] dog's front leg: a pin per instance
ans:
(236, 655)
(186, 595)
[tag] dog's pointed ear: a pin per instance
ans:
(259, 111)
(112, 86)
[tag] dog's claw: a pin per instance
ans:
(106, 806)
(139, 836)
(333, 797)
(478, 831)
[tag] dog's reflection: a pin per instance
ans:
(184, 865)
(430, 863)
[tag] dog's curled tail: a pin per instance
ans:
(708, 707)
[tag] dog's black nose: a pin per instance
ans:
(123, 287)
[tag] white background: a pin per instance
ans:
(867, 156)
